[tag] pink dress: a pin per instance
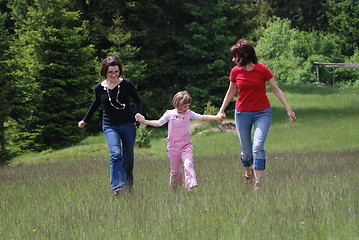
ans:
(179, 146)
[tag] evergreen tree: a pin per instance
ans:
(133, 68)
(343, 18)
(304, 14)
(98, 16)
(5, 103)
(122, 48)
(53, 73)
(156, 35)
(204, 50)
(185, 44)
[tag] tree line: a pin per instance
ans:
(51, 49)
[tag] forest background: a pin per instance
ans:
(51, 49)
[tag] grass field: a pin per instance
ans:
(310, 191)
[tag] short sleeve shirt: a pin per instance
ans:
(251, 86)
(178, 124)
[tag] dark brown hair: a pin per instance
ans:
(110, 61)
(181, 98)
(244, 51)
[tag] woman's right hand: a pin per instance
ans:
(81, 124)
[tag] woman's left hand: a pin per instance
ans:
(220, 116)
(292, 116)
(139, 117)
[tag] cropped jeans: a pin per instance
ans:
(121, 141)
(253, 152)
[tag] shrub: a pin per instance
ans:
(209, 109)
(291, 53)
(143, 138)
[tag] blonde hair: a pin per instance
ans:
(181, 98)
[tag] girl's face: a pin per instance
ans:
(113, 73)
(183, 108)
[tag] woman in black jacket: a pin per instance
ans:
(118, 121)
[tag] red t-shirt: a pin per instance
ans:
(251, 86)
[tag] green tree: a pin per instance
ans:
(204, 50)
(210, 29)
(304, 14)
(133, 67)
(98, 16)
(120, 39)
(291, 53)
(5, 103)
(156, 36)
(343, 19)
(185, 44)
(53, 72)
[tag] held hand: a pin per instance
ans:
(221, 116)
(292, 116)
(81, 124)
(139, 118)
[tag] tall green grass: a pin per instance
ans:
(310, 190)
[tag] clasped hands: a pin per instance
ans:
(141, 119)
(221, 116)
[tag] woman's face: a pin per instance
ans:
(113, 73)
(237, 60)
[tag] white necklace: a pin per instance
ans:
(122, 105)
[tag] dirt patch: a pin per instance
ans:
(205, 128)
(226, 126)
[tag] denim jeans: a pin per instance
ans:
(121, 141)
(253, 152)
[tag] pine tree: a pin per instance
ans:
(343, 18)
(54, 70)
(205, 44)
(5, 105)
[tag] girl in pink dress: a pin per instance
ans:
(179, 144)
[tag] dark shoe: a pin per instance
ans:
(128, 186)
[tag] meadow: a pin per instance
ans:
(310, 190)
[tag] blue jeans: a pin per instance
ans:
(121, 141)
(253, 152)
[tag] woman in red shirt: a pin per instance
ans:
(252, 106)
